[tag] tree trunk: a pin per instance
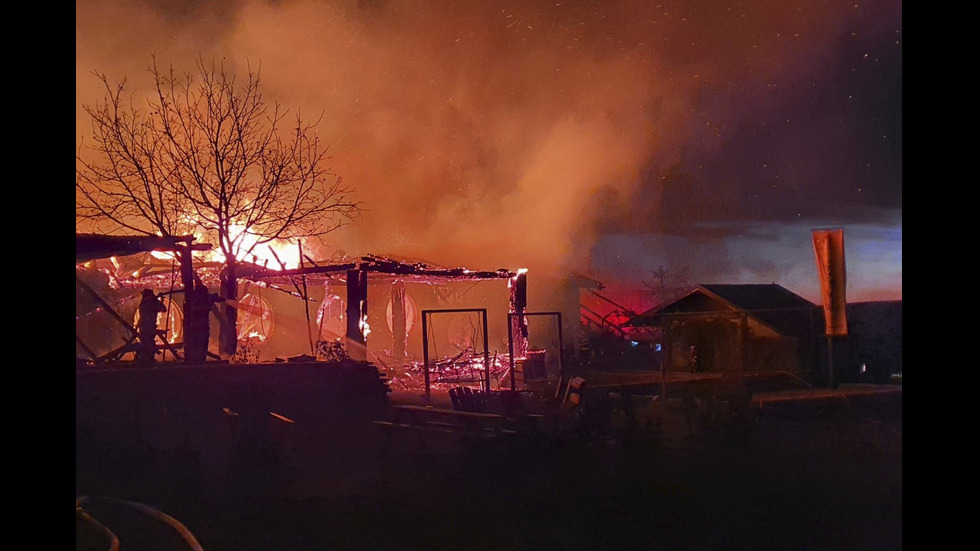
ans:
(187, 278)
(228, 335)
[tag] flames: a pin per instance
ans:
(513, 281)
(363, 325)
(277, 254)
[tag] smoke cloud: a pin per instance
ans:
(519, 133)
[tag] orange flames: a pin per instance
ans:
(277, 254)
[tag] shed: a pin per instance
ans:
(738, 328)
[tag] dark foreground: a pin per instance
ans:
(798, 478)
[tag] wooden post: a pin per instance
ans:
(517, 326)
(510, 349)
(742, 337)
(185, 257)
(665, 358)
(306, 303)
(398, 324)
(830, 361)
(486, 354)
(356, 314)
(425, 352)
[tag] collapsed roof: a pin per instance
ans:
(418, 271)
(91, 246)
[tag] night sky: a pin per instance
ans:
(613, 138)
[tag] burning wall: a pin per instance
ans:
(275, 320)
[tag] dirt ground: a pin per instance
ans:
(801, 478)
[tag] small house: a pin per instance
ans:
(738, 328)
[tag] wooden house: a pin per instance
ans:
(739, 328)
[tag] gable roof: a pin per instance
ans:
(767, 302)
(756, 297)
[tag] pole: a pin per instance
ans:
(486, 354)
(665, 360)
(830, 360)
(561, 353)
(306, 303)
(510, 347)
(425, 353)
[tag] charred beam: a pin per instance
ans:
(357, 290)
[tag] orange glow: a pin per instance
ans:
(363, 325)
(256, 318)
(281, 417)
(510, 282)
(276, 255)
(410, 310)
(330, 317)
(162, 255)
(171, 319)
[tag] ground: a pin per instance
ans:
(817, 477)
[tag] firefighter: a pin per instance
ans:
(150, 306)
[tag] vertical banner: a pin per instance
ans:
(828, 245)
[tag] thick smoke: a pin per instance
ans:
(496, 133)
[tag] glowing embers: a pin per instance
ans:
(275, 255)
(467, 367)
(363, 325)
(256, 319)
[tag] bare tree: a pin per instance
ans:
(207, 154)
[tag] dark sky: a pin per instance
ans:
(706, 137)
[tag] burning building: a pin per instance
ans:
(378, 309)
(400, 315)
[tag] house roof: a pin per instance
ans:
(764, 301)
(90, 246)
(382, 266)
(754, 297)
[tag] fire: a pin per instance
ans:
(162, 255)
(256, 318)
(363, 325)
(277, 254)
(511, 281)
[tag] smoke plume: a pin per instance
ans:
(512, 133)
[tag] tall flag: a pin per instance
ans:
(828, 245)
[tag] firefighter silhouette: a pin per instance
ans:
(150, 306)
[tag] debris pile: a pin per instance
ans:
(466, 368)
